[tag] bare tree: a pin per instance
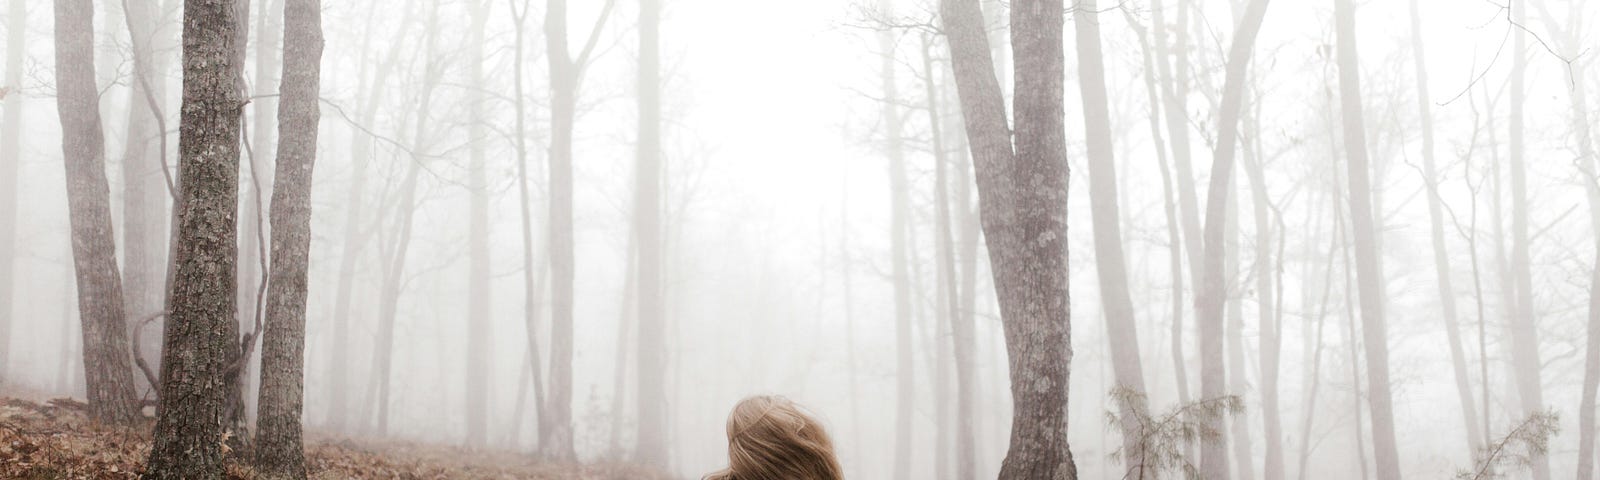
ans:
(566, 74)
(1369, 271)
(899, 220)
(279, 453)
(1022, 187)
(146, 215)
(1121, 326)
(1212, 296)
(1447, 301)
(476, 393)
(201, 331)
(652, 439)
(10, 157)
(106, 357)
(1522, 322)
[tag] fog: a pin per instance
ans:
(805, 223)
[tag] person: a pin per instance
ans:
(772, 438)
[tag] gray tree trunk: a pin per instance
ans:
(899, 198)
(1441, 260)
(476, 393)
(1212, 296)
(201, 331)
(652, 395)
(10, 157)
(1369, 274)
(1525, 358)
(146, 214)
(1110, 263)
(1267, 316)
(279, 452)
(1022, 200)
(107, 358)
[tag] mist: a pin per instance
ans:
(1160, 238)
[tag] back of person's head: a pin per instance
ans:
(771, 438)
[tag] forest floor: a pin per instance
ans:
(56, 440)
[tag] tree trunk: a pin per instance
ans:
(201, 329)
(395, 266)
(962, 345)
(476, 393)
(279, 453)
(531, 288)
(1525, 358)
(1266, 317)
(1369, 274)
(1121, 326)
(1579, 102)
(145, 211)
(653, 439)
(899, 198)
(10, 158)
(1022, 199)
(1212, 296)
(1441, 260)
(1237, 370)
(566, 72)
(106, 356)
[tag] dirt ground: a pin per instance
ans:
(55, 440)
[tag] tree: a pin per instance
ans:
(652, 395)
(1447, 300)
(477, 375)
(146, 216)
(899, 219)
(10, 157)
(1022, 188)
(530, 287)
(201, 332)
(1212, 296)
(1369, 272)
(1121, 329)
(566, 74)
(106, 357)
(1524, 327)
(279, 453)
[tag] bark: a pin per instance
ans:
(476, 393)
(1441, 260)
(1525, 357)
(1022, 200)
(106, 356)
(1110, 262)
(1369, 274)
(1211, 299)
(960, 328)
(279, 452)
(899, 198)
(652, 439)
(10, 157)
(201, 330)
(566, 73)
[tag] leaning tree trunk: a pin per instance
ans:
(899, 198)
(279, 453)
(476, 393)
(652, 395)
(1121, 326)
(1212, 296)
(106, 357)
(1441, 260)
(10, 157)
(201, 332)
(1369, 274)
(1022, 200)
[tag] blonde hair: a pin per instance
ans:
(771, 438)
